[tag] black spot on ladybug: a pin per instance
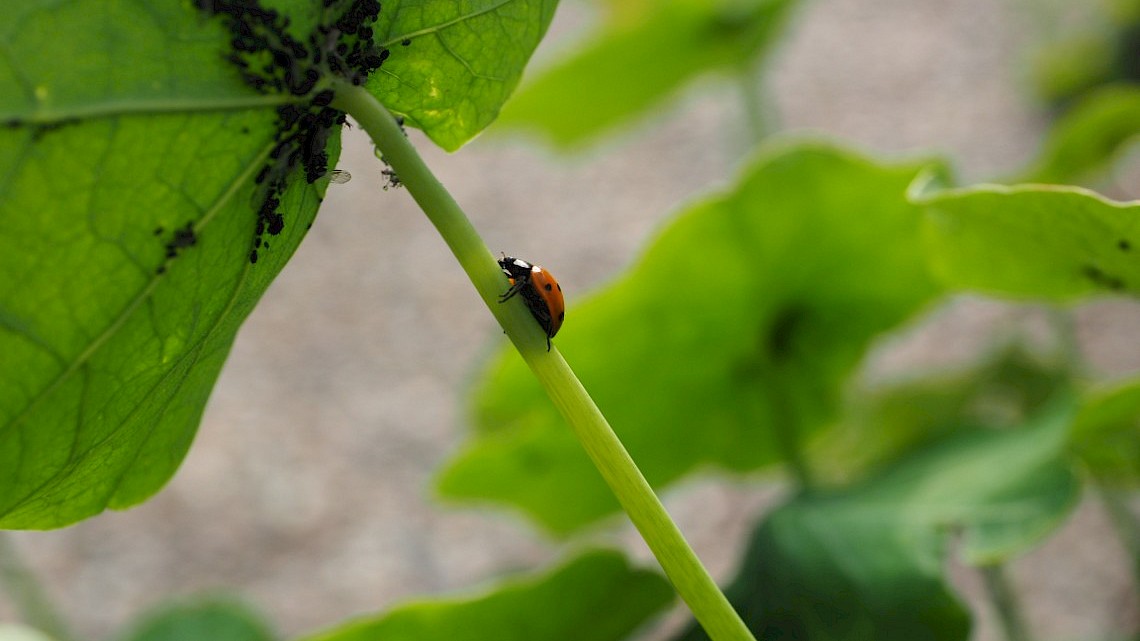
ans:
(561, 315)
(1124, 245)
(1102, 279)
(548, 288)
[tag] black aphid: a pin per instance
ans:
(272, 60)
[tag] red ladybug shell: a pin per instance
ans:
(540, 291)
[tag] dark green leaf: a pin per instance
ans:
(132, 138)
(1055, 243)
(596, 596)
(747, 313)
(205, 619)
(639, 58)
(867, 562)
(452, 63)
(1087, 138)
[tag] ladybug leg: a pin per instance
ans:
(517, 286)
(548, 343)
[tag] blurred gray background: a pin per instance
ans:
(308, 488)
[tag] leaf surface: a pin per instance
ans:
(639, 58)
(1031, 241)
(595, 596)
(1088, 138)
(18, 632)
(127, 200)
(453, 64)
(867, 562)
(888, 421)
(1106, 435)
(748, 311)
(214, 618)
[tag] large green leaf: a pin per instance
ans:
(1106, 436)
(207, 618)
(127, 203)
(129, 157)
(454, 62)
(596, 596)
(1055, 243)
(640, 57)
(1088, 137)
(743, 317)
(868, 562)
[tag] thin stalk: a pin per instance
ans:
(755, 118)
(1004, 599)
(681, 565)
(760, 119)
(28, 595)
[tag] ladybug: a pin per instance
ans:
(540, 291)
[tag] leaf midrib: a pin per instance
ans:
(125, 107)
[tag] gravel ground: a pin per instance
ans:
(307, 490)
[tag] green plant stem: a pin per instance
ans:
(757, 120)
(681, 565)
(1004, 599)
(34, 606)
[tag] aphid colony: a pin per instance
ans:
(273, 61)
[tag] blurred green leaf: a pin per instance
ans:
(638, 59)
(1053, 243)
(453, 63)
(744, 316)
(202, 619)
(867, 562)
(17, 632)
(129, 136)
(596, 596)
(891, 420)
(1088, 137)
(1071, 67)
(1106, 436)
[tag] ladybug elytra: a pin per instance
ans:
(540, 291)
